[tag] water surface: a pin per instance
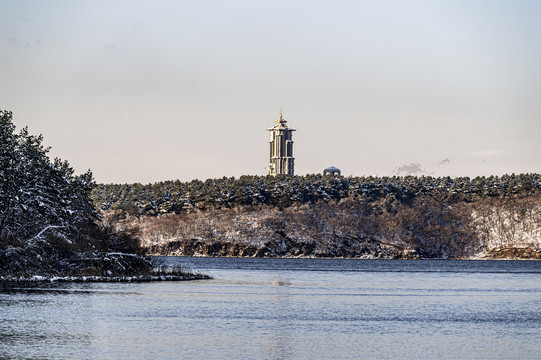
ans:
(286, 309)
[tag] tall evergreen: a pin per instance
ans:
(9, 177)
(38, 197)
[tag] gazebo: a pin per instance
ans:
(331, 170)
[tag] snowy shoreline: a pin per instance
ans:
(471, 258)
(90, 267)
(103, 279)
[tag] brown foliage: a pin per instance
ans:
(433, 226)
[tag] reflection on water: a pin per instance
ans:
(294, 309)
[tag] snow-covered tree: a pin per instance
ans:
(38, 196)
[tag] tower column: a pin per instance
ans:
(281, 160)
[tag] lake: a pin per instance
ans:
(285, 309)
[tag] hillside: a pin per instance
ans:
(325, 216)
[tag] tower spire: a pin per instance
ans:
(281, 119)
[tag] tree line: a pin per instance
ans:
(283, 191)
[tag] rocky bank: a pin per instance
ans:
(350, 229)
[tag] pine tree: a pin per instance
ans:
(9, 177)
(37, 195)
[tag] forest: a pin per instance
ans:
(331, 216)
(284, 191)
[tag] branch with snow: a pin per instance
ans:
(31, 240)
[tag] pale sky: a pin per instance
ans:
(144, 91)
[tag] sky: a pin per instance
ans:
(146, 91)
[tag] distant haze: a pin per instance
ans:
(143, 91)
